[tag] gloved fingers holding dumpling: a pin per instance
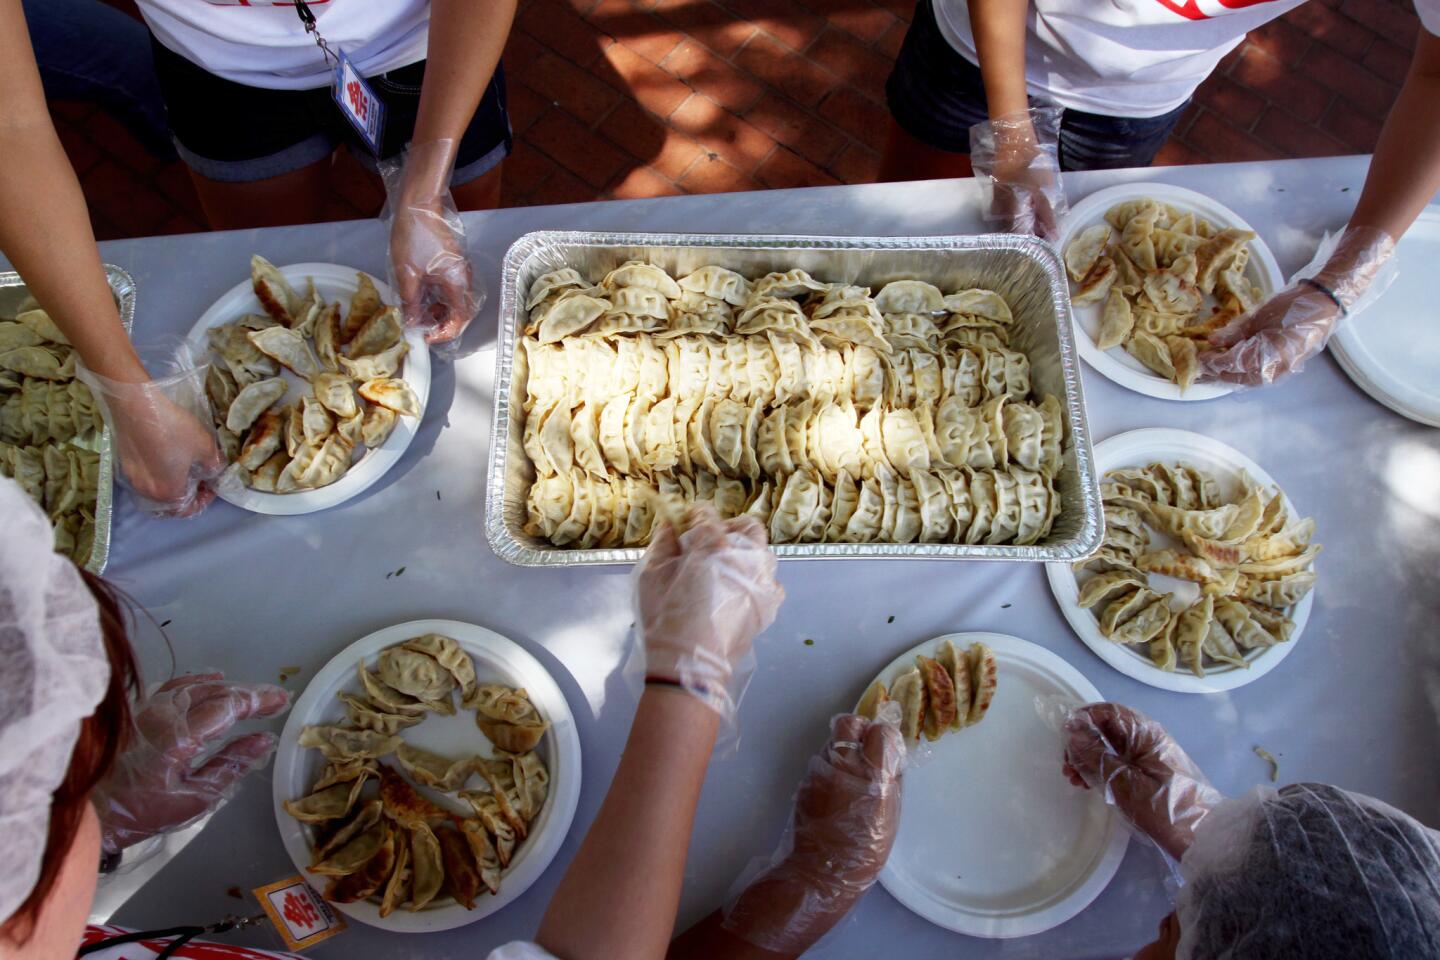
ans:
(702, 595)
(1140, 770)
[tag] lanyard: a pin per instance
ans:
(307, 17)
(181, 936)
(357, 102)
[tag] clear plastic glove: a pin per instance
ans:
(1277, 338)
(167, 453)
(156, 785)
(1016, 159)
(428, 261)
(701, 598)
(1142, 771)
(847, 812)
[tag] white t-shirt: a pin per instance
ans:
(1129, 58)
(263, 43)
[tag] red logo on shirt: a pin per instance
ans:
(1191, 9)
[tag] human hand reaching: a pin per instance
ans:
(1017, 157)
(156, 785)
(702, 596)
(1141, 771)
(847, 812)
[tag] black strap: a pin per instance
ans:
(183, 936)
(1312, 282)
(307, 16)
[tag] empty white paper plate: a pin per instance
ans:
(994, 841)
(1116, 363)
(1391, 349)
(1136, 449)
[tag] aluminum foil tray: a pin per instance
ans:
(1025, 271)
(13, 297)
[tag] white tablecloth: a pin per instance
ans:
(251, 594)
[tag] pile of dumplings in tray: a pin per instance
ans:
(1155, 269)
(48, 420)
(395, 845)
(351, 363)
(828, 414)
(1251, 559)
(948, 692)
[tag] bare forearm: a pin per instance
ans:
(619, 897)
(999, 27)
(466, 40)
(44, 224)
(1405, 171)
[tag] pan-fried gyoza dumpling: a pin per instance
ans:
(331, 803)
(363, 305)
(487, 858)
(941, 710)
(637, 273)
(984, 681)
(910, 296)
(355, 853)
(433, 770)
(311, 306)
(1136, 236)
(334, 391)
(1087, 247)
(496, 701)
(1145, 625)
(288, 348)
(327, 333)
(380, 333)
(417, 674)
(957, 666)
(221, 389)
(386, 697)
(717, 283)
(1215, 254)
(363, 883)
(1245, 628)
(462, 879)
(365, 818)
(397, 888)
(512, 737)
(241, 357)
(264, 438)
(871, 700)
(377, 426)
(315, 466)
(364, 715)
(427, 864)
(252, 401)
(1116, 320)
(273, 291)
(404, 804)
(1279, 593)
(487, 809)
(570, 315)
(908, 690)
(1107, 586)
(1119, 610)
(392, 394)
(338, 744)
(450, 655)
(1173, 563)
(1095, 285)
(1152, 352)
(315, 421)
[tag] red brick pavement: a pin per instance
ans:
(638, 98)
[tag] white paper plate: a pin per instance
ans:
(1136, 449)
(334, 282)
(1390, 349)
(497, 659)
(1116, 363)
(994, 841)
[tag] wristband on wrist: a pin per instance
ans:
(1316, 284)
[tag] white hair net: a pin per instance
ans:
(1309, 871)
(53, 672)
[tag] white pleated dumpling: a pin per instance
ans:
(717, 283)
(910, 296)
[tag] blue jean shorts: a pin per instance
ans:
(234, 133)
(936, 96)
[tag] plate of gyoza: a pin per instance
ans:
(993, 840)
(315, 386)
(1205, 578)
(427, 776)
(1155, 269)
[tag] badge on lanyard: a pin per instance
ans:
(357, 102)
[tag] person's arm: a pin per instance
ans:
(999, 29)
(466, 40)
(620, 895)
(44, 223)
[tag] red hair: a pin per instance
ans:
(103, 735)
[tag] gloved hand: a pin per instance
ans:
(1282, 333)
(167, 453)
(1143, 773)
(427, 243)
(1016, 159)
(701, 598)
(846, 815)
(155, 786)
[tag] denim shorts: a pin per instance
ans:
(235, 133)
(936, 96)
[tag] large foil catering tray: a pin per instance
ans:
(1025, 271)
(14, 295)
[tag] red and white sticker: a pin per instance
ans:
(301, 915)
